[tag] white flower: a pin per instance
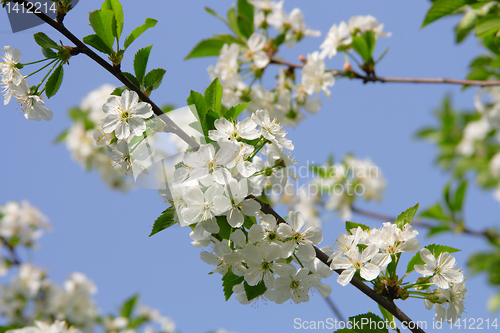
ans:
(256, 52)
(42, 327)
(337, 36)
(261, 265)
(239, 206)
(94, 101)
(449, 303)
(231, 132)
(299, 235)
(474, 131)
(221, 249)
(291, 284)
(268, 100)
(265, 232)
(8, 67)
(271, 130)
(227, 67)
(125, 115)
(205, 162)
(442, 270)
(266, 5)
(367, 23)
(203, 207)
(33, 106)
(297, 29)
(354, 262)
(314, 76)
(245, 168)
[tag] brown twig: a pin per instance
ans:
(323, 257)
(489, 234)
(374, 78)
(170, 126)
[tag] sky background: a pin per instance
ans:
(104, 234)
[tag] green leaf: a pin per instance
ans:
(118, 91)
(389, 317)
(212, 12)
(245, 18)
(236, 110)
(132, 79)
(199, 102)
(487, 25)
(353, 225)
(367, 323)
(442, 8)
(406, 216)
(149, 23)
(61, 137)
(249, 221)
(437, 230)
(102, 23)
(229, 280)
(154, 78)
(116, 7)
(435, 212)
(97, 43)
(371, 40)
(140, 63)
(44, 41)
(165, 220)
(359, 45)
(466, 25)
(434, 249)
(212, 46)
(447, 197)
(254, 291)
(459, 195)
(211, 118)
(225, 228)
(232, 22)
(213, 96)
(48, 53)
(54, 82)
(128, 306)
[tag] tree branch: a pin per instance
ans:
(488, 233)
(170, 126)
(14, 258)
(323, 257)
(374, 78)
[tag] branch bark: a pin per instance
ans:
(374, 78)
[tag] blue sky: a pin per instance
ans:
(103, 233)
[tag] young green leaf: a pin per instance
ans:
(61, 137)
(132, 79)
(353, 225)
(97, 43)
(116, 7)
(434, 249)
(229, 280)
(154, 78)
(128, 306)
(103, 25)
(245, 18)
(197, 99)
(368, 322)
(466, 25)
(435, 212)
(361, 47)
(406, 216)
(236, 110)
(140, 63)
(212, 12)
(211, 118)
(54, 82)
(442, 8)
(44, 41)
(165, 220)
(460, 195)
(211, 47)
(487, 25)
(225, 228)
(213, 96)
(232, 22)
(48, 53)
(254, 291)
(149, 23)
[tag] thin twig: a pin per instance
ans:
(323, 257)
(372, 78)
(14, 258)
(170, 126)
(489, 234)
(334, 309)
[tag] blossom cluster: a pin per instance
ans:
(15, 85)
(21, 224)
(340, 184)
(249, 57)
(369, 252)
